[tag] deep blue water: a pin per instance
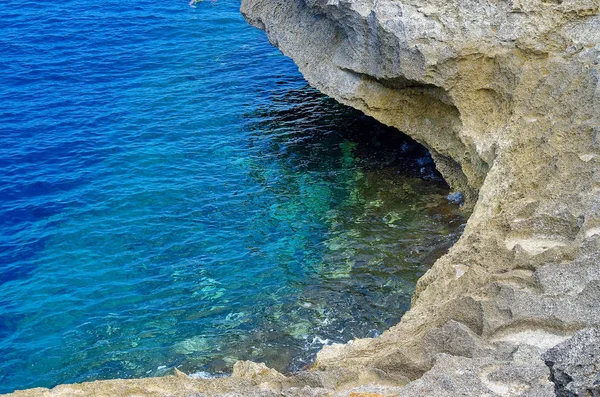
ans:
(173, 194)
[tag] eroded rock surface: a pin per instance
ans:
(505, 94)
(574, 364)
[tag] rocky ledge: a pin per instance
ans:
(506, 96)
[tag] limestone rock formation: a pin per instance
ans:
(506, 95)
(574, 364)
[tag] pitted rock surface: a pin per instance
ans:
(506, 97)
(574, 364)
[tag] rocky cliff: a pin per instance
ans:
(506, 95)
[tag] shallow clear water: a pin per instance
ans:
(172, 193)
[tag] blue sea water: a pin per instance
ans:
(174, 194)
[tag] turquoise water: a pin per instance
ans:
(173, 194)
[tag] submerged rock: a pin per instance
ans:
(457, 198)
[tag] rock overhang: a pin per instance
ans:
(505, 96)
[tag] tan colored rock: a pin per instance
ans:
(505, 94)
(258, 374)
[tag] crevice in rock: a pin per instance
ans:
(560, 380)
(452, 172)
(395, 83)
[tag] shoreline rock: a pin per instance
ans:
(505, 94)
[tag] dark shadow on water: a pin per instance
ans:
(332, 219)
(365, 213)
(310, 130)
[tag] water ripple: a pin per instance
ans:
(173, 194)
